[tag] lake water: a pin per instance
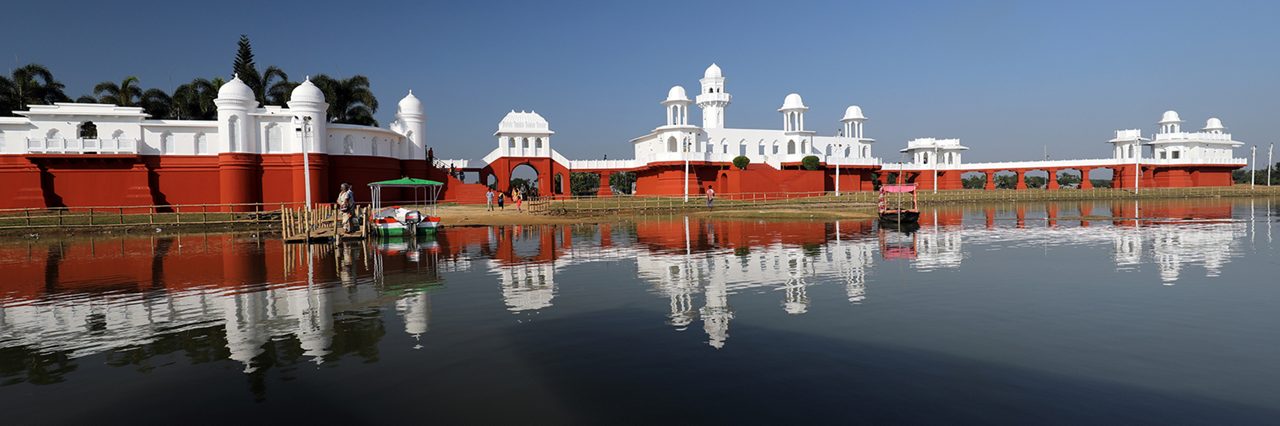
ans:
(1164, 312)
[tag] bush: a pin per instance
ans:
(810, 162)
(741, 162)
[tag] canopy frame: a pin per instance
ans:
(430, 188)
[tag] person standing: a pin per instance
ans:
(518, 197)
(488, 199)
(501, 201)
(346, 206)
(711, 196)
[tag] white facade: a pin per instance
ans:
(678, 140)
(940, 152)
(242, 126)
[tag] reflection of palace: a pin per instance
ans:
(61, 302)
(57, 299)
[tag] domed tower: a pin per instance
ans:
(852, 120)
(677, 104)
(712, 99)
(235, 101)
(308, 105)
(411, 121)
(1214, 126)
(1170, 122)
(793, 113)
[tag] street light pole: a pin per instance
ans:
(935, 169)
(1270, 163)
(1137, 163)
(306, 159)
(686, 169)
(1253, 169)
(839, 150)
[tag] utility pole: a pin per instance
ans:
(839, 150)
(306, 159)
(1270, 163)
(1137, 163)
(935, 168)
(686, 169)
(1253, 168)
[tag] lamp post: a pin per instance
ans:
(935, 168)
(687, 142)
(1137, 163)
(1270, 163)
(1253, 170)
(303, 131)
(839, 150)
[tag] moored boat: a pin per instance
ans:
(399, 221)
(892, 206)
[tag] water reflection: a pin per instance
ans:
(265, 304)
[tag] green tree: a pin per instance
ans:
(29, 85)
(976, 181)
(270, 87)
(194, 100)
(350, 99)
(126, 93)
(157, 103)
(528, 187)
(1100, 183)
(809, 162)
(741, 162)
(1068, 179)
(621, 182)
(1009, 181)
(1034, 181)
(581, 183)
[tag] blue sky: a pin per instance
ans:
(1007, 77)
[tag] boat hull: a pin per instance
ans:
(900, 217)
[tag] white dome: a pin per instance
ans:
(1214, 124)
(523, 122)
(235, 89)
(676, 94)
(307, 92)
(713, 71)
(410, 105)
(1170, 116)
(793, 101)
(854, 112)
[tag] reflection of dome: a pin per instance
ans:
(235, 89)
(854, 112)
(713, 71)
(792, 101)
(410, 105)
(676, 94)
(1170, 116)
(1214, 124)
(307, 92)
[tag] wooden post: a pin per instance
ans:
(122, 215)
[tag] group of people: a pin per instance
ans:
(490, 195)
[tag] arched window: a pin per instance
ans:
(742, 148)
(275, 142)
(233, 128)
(348, 147)
(202, 143)
(1130, 151)
(949, 158)
(511, 142)
(866, 152)
(828, 150)
(373, 146)
(671, 144)
(88, 130)
(524, 143)
(791, 147)
(166, 143)
(537, 143)
(924, 157)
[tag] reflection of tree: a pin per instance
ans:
(20, 364)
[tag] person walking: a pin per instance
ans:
(346, 206)
(518, 198)
(501, 201)
(711, 196)
(488, 199)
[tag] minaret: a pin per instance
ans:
(307, 101)
(412, 121)
(712, 99)
(1170, 122)
(793, 113)
(677, 105)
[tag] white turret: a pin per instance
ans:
(1170, 122)
(793, 113)
(308, 106)
(677, 105)
(1214, 125)
(235, 100)
(852, 120)
(411, 121)
(712, 99)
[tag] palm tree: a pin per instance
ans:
(30, 84)
(194, 100)
(157, 103)
(350, 100)
(124, 94)
(276, 87)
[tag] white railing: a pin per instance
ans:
(1058, 164)
(442, 163)
(1193, 136)
(604, 164)
(82, 146)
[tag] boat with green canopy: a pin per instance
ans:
(400, 221)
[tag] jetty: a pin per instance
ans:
(321, 224)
